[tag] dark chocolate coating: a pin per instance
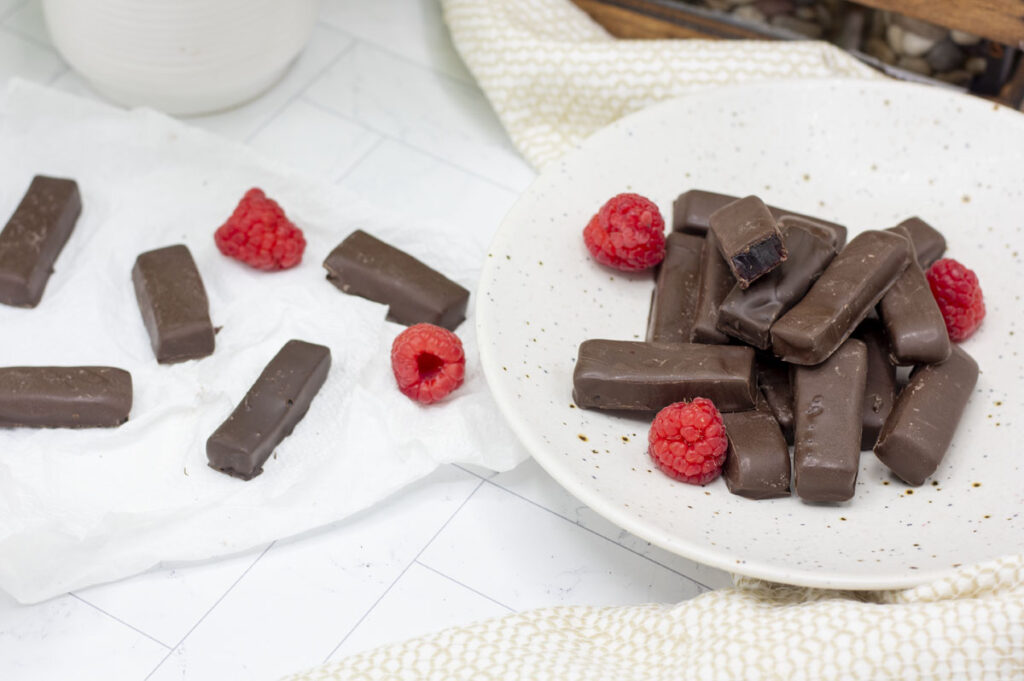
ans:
(748, 238)
(830, 232)
(365, 266)
(757, 461)
(693, 208)
(64, 397)
(714, 285)
(638, 376)
(674, 299)
(880, 387)
(841, 298)
(773, 377)
(748, 314)
(828, 405)
(917, 331)
(34, 237)
(929, 244)
(922, 423)
(173, 304)
(268, 413)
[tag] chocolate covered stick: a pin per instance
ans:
(34, 237)
(748, 238)
(637, 376)
(828, 404)
(757, 462)
(674, 299)
(173, 304)
(917, 331)
(268, 413)
(363, 265)
(714, 285)
(774, 380)
(841, 298)
(921, 425)
(880, 387)
(748, 314)
(929, 244)
(64, 397)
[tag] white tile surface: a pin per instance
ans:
(307, 137)
(414, 30)
(24, 58)
(65, 638)
(167, 603)
(28, 21)
(244, 121)
(298, 602)
(421, 602)
(526, 557)
(422, 108)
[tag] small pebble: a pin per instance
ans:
(852, 29)
(976, 65)
(749, 13)
(805, 28)
(894, 35)
(964, 38)
(915, 45)
(957, 77)
(915, 64)
(805, 13)
(945, 56)
(880, 50)
(772, 7)
(920, 27)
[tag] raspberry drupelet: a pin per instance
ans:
(428, 362)
(687, 441)
(627, 233)
(958, 294)
(259, 234)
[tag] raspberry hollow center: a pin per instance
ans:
(428, 364)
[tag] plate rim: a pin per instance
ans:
(694, 551)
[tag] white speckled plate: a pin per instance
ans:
(864, 154)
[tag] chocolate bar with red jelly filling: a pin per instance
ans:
(920, 428)
(828, 406)
(748, 238)
(757, 461)
(841, 298)
(173, 303)
(917, 331)
(713, 286)
(773, 378)
(748, 314)
(674, 298)
(693, 208)
(929, 244)
(269, 412)
(365, 266)
(635, 376)
(880, 386)
(34, 237)
(64, 397)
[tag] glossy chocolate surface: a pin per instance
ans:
(173, 303)
(841, 298)
(757, 461)
(748, 314)
(636, 376)
(64, 397)
(268, 413)
(929, 244)
(828, 406)
(363, 265)
(880, 387)
(924, 419)
(674, 299)
(34, 237)
(748, 238)
(714, 285)
(775, 382)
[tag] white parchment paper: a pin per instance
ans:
(80, 507)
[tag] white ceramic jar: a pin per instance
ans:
(180, 56)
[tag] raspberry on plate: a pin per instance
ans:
(428, 362)
(687, 441)
(628, 233)
(958, 294)
(259, 234)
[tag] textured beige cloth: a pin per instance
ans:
(554, 77)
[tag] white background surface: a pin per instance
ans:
(380, 103)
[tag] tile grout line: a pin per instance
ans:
(300, 91)
(12, 11)
(402, 573)
(464, 586)
(62, 72)
(451, 164)
(362, 157)
(210, 609)
(118, 619)
(18, 33)
(584, 527)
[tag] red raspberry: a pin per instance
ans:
(628, 233)
(259, 234)
(687, 441)
(958, 294)
(428, 362)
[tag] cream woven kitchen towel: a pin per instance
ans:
(969, 626)
(554, 76)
